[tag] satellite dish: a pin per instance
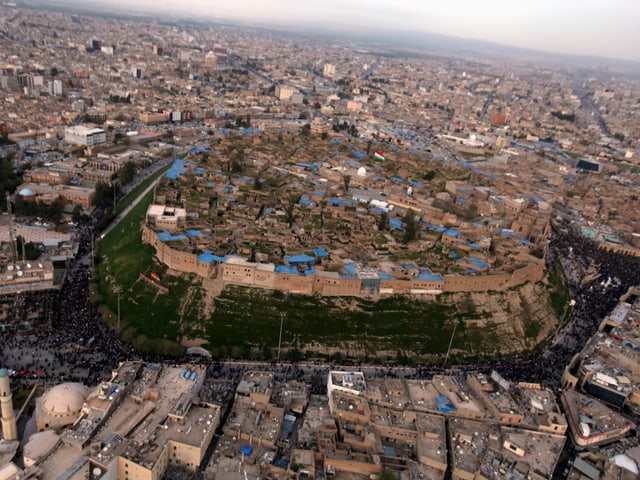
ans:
(97, 472)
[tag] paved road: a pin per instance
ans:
(135, 202)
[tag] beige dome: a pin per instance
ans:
(65, 399)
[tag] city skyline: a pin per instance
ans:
(588, 28)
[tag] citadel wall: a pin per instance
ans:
(324, 283)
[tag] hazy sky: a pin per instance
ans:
(609, 28)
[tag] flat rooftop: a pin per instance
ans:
(589, 416)
(348, 380)
(470, 440)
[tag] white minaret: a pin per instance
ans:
(9, 426)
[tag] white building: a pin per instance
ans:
(85, 136)
(284, 93)
(329, 70)
(55, 88)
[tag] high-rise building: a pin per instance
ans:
(137, 71)
(55, 88)
(221, 53)
(329, 70)
(9, 425)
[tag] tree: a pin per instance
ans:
(429, 175)
(410, 226)
(387, 475)
(126, 173)
(76, 214)
(347, 181)
(9, 179)
(294, 355)
(55, 210)
(104, 195)
(306, 130)
(236, 167)
(4, 139)
(290, 209)
(383, 223)
(30, 250)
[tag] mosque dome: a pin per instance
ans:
(64, 400)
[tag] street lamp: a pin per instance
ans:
(280, 337)
(118, 291)
(446, 358)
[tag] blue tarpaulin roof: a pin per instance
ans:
(477, 262)
(444, 404)
(452, 233)
(436, 228)
(194, 233)
(336, 202)
(287, 269)
(386, 276)
(242, 180)
(350, 268)
(303, 258)
(167, 237)
(179, 167)
(395, 223)
(426, 274)
(249, 131)
(320, 252)
(195, 149)
(209, 257)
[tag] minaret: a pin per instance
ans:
(9, 426)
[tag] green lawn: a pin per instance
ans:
(246, 318)
(145, 312)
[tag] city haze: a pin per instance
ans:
(588, 28)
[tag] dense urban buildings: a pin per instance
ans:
(323, 168)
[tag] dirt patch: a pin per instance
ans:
(193, 342)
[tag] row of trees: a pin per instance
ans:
(52, 212)
(9, 179)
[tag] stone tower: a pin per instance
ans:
(9, 426)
